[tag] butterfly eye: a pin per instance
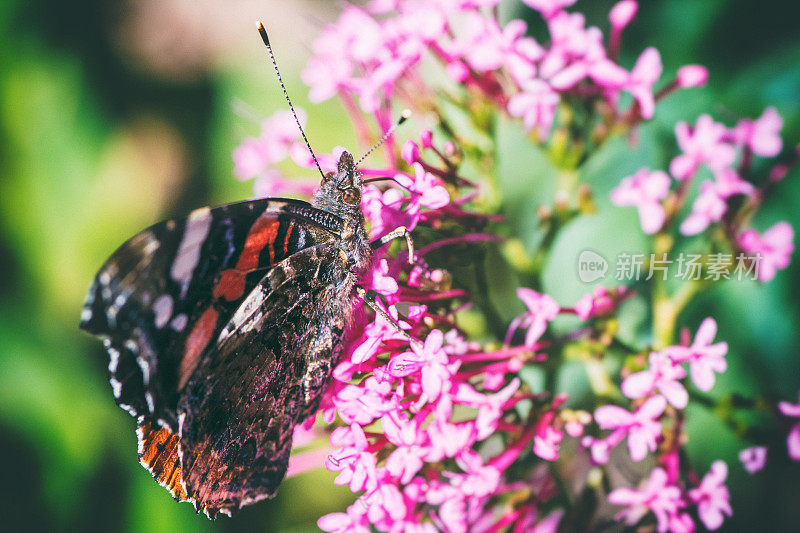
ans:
(351, 196)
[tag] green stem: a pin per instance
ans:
(666, 307)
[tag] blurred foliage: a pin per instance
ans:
(94, 147)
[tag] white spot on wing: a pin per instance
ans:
(116, 387)
(113, 361)
(149, 399)
(140, 439)
(86, 314)
(162, 309)
(197, 227)
(145, 366)
(179, 322)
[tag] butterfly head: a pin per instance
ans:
(340, 191)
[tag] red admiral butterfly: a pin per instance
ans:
(222, 330)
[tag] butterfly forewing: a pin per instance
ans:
(164, 296)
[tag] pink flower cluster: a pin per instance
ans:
(372, 54)
(417, 416)
(653, 389)
(726, 153)
(657, 386)
(669, 503)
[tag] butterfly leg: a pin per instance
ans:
(397, 233)
(370, 298)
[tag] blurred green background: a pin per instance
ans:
(114, 115)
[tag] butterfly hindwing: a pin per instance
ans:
(164, 296)
(265, 375)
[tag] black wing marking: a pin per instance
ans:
(266, 373)
(167, 292)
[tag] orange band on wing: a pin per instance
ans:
(262, 234)
(158, 452)
(231, 283)
(286, 238)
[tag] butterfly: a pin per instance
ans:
(223, 327)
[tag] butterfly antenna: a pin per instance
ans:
(264, 38)
(403, 118)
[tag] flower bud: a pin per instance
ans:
(622, 13)
(692, 76)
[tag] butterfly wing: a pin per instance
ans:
(266, 373)
(163, 297)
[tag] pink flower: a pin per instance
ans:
(547, 438)
(427, 189)
(574, 423)
(662, 374)
(354, 520)
(407, 460)
(707, 208)
(549, 8)
(541, 309)
(657, 495)
(727, 183)
(645, 190)
(355, 464)
(480, 479)
(622, 14)
(577, 52)
(692, 76)
(452, 502)
(644, 75)
(753, 459)
(642, 426)
(382, 281)
(762, 135)
(448, 439)
(278, 133)
(711, 496)
(536, 104)
(386, 506)
(774, 248)
(374, 334)
(598, 302)
(704, 358)
(431, 363)
(705, 144)
(410, 152)
(385, 210)
(426, 138)
(360, 55)
(250, 158)
(487, 47)
(793, 441)
(455, 344)
(363, 404)
(489, 406)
